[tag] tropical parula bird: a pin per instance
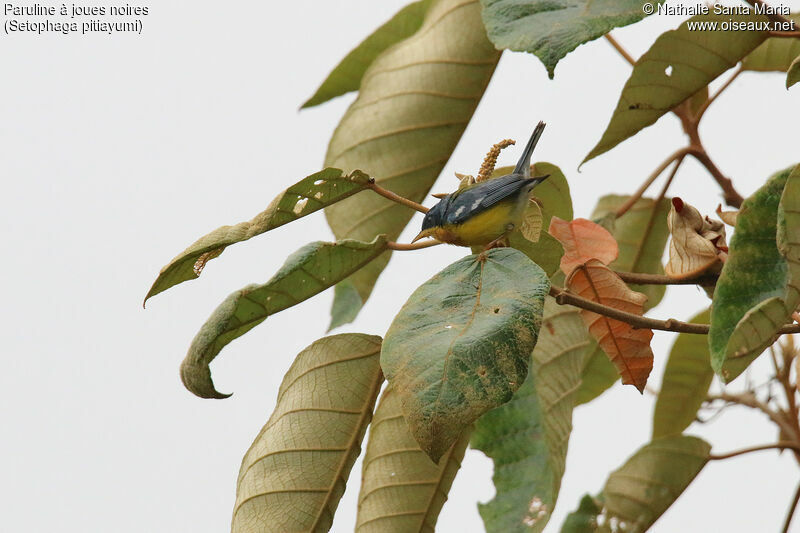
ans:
(484, 213)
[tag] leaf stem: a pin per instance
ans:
(637, 278)
(721, 89)
(731, 195)
(618, 47)
(792, 508)
(782, 445)
(678, 155)
(395, 197)
(412, 246)
(564, 297)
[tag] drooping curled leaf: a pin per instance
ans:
(680, 63)
(413, 105)
(310, 194)
(642, 235)
(748, 301)
(584, 518)
(527, 437)
(773, 55)
(583, 240)
(551, 30)
(685, 384)
(461, 344)
(402, 490)
(698, 243)
(628, 348)
(793, 74)
(531, 227)
(294, 473)
(652, 479)
(347, 75)
(308, 271)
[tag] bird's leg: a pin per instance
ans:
(502, 240)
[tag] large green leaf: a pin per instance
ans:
(685, 384)
(308, 271)
(294, 473)
(556, 201)
(310, 194)
(402, 490)
(551, 30)
(748, 300)
(773, 55)
(347, 75)
(793, 74)
(639, 492)
(461, 344)
(413, 105)
(527, 437)
(641, 234)
(680, 63)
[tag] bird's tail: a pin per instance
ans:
(524, 165)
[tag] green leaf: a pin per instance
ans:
(308, 271)
(413, 105)
(685, 384)
(551, 30)
(556, 201)
(310, 194)
(652, 479)
(773, 55)
(793, 74)
(748, 300)
(680, 63)
(527, 437)
(584, 518)
(402, 490)
(294, 473)
(461, 344)
(348, 73)
(641, 234)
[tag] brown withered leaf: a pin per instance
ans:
(698, 243)
(728, 217)
(626, 347)
(583, 240)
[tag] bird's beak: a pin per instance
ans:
(541, 179)
(422, 234)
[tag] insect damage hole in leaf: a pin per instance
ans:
(450, 357)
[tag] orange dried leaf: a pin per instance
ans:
(583, 240)
(626, 347)
(697, 244)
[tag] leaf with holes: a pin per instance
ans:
(307, 272)
(680, 63)
(583, 240)
(773, 55)
(628, 348)
(641, 234)
(303, 198)
(698, 243)
(347, 75)
(294, 473)
(401, 488)
(750, 301)
(685, 383)
(584, 518)
(461, 344)
(551, 30)
(527, 437)
(413, 104)
(793, 74)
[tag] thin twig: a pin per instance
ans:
(792, 508)
(721, 89)
(618, 47)
(412, 246)
(786, 34)
(678, 154)
(750, 400)
(396, 197)
(783, 445)
(732, 197)
(637, 278)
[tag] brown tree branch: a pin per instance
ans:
(782, 445)
(749, 399)
(637, 278)
(395, 197)
(731, 195)
(792, 508)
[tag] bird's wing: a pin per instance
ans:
(478, 198)
(523, 167)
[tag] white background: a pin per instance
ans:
(118, 152)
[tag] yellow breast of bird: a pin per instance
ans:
(482, 228)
